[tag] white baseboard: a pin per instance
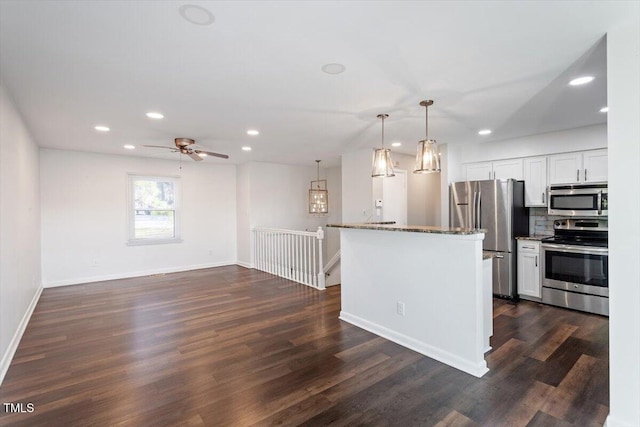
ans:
(7, 357)
(244, 264)
(470, 367)
(128, 275)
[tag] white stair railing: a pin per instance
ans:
(291, 254)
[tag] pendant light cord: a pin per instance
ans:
(426, 121)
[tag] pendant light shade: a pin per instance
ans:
(427, 157)
(318, 195)
(382, 164)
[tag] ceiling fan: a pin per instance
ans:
(182, 146)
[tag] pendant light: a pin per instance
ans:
(382, 165)
(318, 195)
(427, 157)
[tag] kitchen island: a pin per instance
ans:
(421, 287)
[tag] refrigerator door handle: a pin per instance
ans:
(477, 207)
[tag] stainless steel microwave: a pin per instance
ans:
(579, 200)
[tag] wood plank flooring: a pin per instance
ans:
(231, 346)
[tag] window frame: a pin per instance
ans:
(131, 210)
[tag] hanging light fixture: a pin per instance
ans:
(427, 157)
(318, 195)
(382, 165)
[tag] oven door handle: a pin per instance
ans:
(575, 249)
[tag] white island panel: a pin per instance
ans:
(438, 278)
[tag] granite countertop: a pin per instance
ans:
(487, 255)
(534, 237)
(410, 228)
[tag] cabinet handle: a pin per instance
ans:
(585, 176)
(536, 260)
(577, 174)
(544, 196)
(528, 247)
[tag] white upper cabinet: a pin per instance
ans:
(505, 169)
(565, 168)
(575, 168)
(535, 181)
(478, 171)
(595, 166)
(502, 169)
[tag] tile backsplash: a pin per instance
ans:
(540, 222)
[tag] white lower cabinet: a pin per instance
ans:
(529, 284)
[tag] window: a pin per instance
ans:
(153, 210)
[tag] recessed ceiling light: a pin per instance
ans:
(396, 144)
(484, 132)
(246, 148)
(102, 129)
(333, 68)
(604, 110)
(129, 147)
(253, 132)
(197, 15)
(202, 154)
(581, 80)
(154, 115)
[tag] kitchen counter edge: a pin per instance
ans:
(412, 228)
(537, 238)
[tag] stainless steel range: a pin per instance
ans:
(575, 265)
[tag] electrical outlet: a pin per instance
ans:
(400, 308)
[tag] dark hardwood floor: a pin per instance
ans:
(231, 346)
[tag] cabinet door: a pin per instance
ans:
(529, 269)
(505, 169)
(595, 166)
(478, 171)
(535, 181)
(565, 168)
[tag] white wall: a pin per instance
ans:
(623, 91)
(243, 233)
(19, 227)
(584, 138)
(334, 186)
(423, 193)
(359, 190)
(84, 217)
(275, 195)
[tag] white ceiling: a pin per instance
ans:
(71, 65)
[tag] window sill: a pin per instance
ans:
(144, 242)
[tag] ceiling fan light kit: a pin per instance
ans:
(182, 146)
(318, 194)
(382, 164)
(427, 156)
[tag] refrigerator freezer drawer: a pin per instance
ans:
(503, 274)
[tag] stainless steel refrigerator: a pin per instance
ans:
(497, 206)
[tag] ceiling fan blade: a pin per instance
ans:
(160, 146)
(210, 153)
(194, 156)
